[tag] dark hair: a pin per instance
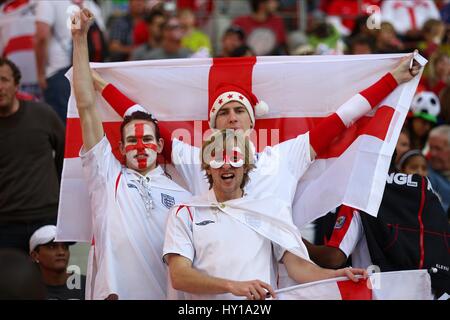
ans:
(15, 70)
(407, 156)
(152, 15)
(242, 51)
(254, 4)
(362, 39)
(233, 29)
(140, 115)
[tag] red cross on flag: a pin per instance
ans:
(300, 91)
(396, 285)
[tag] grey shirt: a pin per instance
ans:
(145, 52)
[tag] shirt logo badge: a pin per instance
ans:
(339, 222)
(167, 201)
(204, 223)
(130, 185)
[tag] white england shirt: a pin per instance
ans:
(220, 246)
(129, 217)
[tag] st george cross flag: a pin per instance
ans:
(17, 29)
(300, 91)
(396, 285)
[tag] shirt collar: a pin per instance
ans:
(133, 174)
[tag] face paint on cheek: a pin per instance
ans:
(140, 155)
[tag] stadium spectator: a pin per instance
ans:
(439, 162)
(170, 44)
(437, 72)
(425, 108)
(387, 40)
(362, 44)
(413, 162)
(264, 29)
(53, 49)
(52, 257)
(130, 202)
(444, 116)
(232, 39)
(19, 278)
(403, 144)
(121, 35)
(408, 17)
(154, 22)
(31, 158)
(193, 39)
(433, 33)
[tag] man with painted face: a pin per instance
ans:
(278, 168)
(129, 202)
(224, 244)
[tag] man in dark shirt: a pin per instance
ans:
(52, 258)
(31, 157)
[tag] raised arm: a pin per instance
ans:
(91, 124)
(124, 105)
(186, 278)
(322, 135)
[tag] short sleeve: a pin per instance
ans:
(347, 231)
(295, 154)
(186, 160)
(45, 12)
(99, 163)
(179, 236)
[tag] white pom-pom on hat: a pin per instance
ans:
(261, 109)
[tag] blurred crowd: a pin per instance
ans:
(34, 35)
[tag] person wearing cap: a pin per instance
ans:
(129, 202)
(425, 108)
(52, 258)
(224, 244)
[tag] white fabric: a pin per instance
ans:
(14, 24)
(353, 109)
(397, 285)
(354, 243)
(293, 86)
(57, 15)
(128, 234)
(396, 12)
(213, 239)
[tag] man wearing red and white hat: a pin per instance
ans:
(278, 168)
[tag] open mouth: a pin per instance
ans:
(141, 156)
(227, 176)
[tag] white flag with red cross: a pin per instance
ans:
(396, 285)
(17, 29)
(300, 92)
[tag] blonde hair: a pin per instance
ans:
(227, 139)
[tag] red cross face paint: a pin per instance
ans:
(140, 146)
(235, 158)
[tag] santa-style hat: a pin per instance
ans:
(228, 93)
